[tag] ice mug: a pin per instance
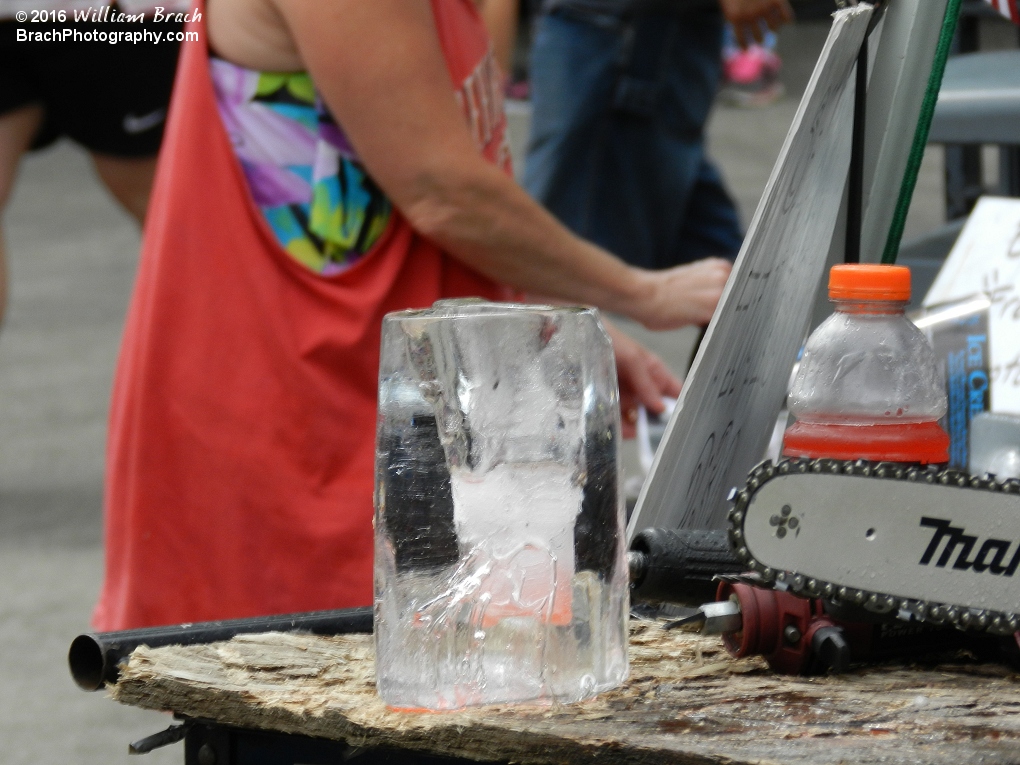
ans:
(500, 571)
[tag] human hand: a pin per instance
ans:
(748, 16)
(683, 295)
(644, 379)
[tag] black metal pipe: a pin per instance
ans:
(95, 658)
(855, 205)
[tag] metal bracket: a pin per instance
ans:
(171, 735)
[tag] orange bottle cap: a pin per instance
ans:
(869, 281)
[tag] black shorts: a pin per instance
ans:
(110, 98)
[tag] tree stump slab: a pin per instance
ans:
(687, 701)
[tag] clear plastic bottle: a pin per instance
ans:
(868, 386)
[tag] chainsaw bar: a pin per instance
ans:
(785, 524)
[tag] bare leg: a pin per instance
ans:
(129, 181)
(17, 129)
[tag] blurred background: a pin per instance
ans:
(73, 255)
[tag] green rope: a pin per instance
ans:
(931, 95)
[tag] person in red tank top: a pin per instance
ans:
(242, 427)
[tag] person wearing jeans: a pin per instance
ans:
(621, 91)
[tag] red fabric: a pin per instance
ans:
(242, 430)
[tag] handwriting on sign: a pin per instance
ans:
(705, 484)
(1003, 294)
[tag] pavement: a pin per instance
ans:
(73, 255)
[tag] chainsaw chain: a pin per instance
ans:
(962, 617)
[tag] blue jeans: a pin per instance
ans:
(616, 149)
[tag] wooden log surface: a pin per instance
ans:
(686, 701)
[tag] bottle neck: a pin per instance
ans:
(888, 307)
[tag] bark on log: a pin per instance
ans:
(686, 701)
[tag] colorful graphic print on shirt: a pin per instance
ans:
(302, 172)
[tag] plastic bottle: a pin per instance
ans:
(868, 386)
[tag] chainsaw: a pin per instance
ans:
(906, 541)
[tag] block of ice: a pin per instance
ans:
(499, 527)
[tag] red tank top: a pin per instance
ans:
(242, 428)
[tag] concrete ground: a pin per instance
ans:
(73, 257)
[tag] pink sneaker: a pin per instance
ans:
(751, 77)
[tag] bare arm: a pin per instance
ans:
(380, 68)
(500, 18)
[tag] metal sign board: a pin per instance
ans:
(737, 384)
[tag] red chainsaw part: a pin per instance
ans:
(776, 625)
